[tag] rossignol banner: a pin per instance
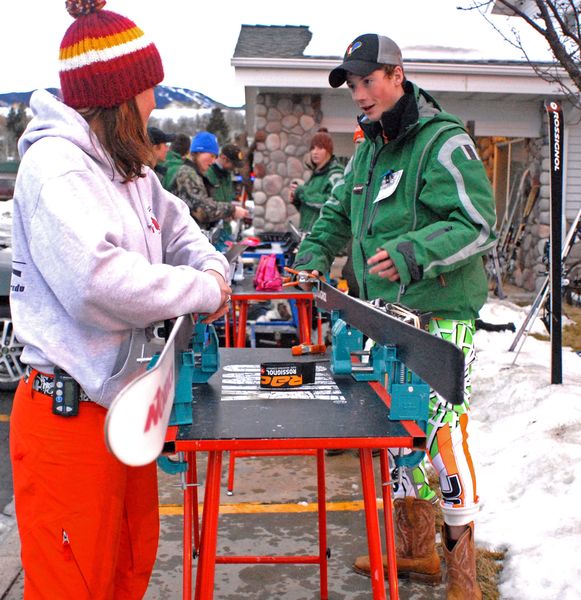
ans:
(556, 130)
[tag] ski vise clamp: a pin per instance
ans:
(409, 394)
(347, 344)
(193, 366)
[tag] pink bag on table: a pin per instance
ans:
(267, 277)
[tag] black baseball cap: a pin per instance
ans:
(233, 153)
(157, 136)
(366, 54)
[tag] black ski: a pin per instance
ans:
(555, 116)
(438, 362)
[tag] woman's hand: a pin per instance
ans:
(219, 313)
(383, 265)
(225, 289)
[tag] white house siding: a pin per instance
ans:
(572, 188)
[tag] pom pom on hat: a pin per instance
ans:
(105, 59)
(76, 8)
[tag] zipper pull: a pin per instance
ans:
(68, 554)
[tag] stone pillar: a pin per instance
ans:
(530, 268)
(285, 125)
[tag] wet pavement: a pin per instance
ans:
(264, 484)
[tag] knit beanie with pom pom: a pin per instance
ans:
(105, 59)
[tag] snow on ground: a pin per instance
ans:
(525, 438)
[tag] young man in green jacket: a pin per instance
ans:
(420, 209)
(220, 173)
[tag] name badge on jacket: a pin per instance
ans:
(389, 183)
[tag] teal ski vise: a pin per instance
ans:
(194, 365)
(409, 394)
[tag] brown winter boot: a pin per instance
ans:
(415, 533)
(461, 563)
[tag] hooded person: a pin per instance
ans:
(103, 252)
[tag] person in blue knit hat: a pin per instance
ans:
(193, 188)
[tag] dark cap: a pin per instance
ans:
(157, 136)
(233, 154)
(366, 54)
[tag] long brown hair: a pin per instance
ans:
(121, 132)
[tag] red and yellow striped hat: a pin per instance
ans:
(105, 59)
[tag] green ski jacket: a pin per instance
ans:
(173, 162)
(222, 184)
(425, 198)
(310, 197)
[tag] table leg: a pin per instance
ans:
(322, 508)
(388, 523)
(193, 467)
(319, 328)
(207, 561)
(372, 524)
(187, 533)
(304, 322)
(227, 342)
(241, 328)
(234, 327)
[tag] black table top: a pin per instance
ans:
(232, 406)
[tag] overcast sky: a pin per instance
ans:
(197, 40)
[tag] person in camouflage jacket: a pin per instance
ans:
(191, 186)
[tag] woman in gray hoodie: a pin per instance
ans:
(101, 253)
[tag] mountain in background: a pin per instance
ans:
(164, 95)
(11, 98)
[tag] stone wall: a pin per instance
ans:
(534, 271)
(284, 128)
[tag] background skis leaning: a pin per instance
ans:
(502, 259)
(541, 300)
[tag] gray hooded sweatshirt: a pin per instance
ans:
(96, 261)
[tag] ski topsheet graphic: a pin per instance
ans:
(438, 362)
(137, 420)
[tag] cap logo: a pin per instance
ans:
(352, 47)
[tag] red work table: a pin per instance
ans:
(245, 292)
(231, 412)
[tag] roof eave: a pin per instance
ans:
(466, 67)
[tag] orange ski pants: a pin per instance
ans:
(88, 524)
